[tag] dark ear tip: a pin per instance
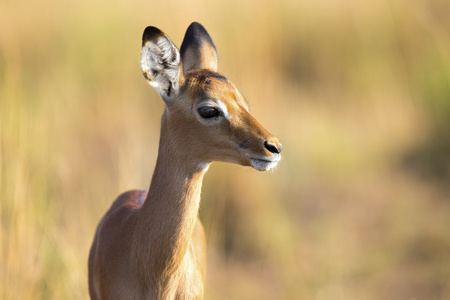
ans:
(194, 34)
(196, 27)
(151, 33)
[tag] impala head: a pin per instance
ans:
(206, 116)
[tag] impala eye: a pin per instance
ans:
(208, 112)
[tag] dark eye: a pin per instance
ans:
(208, 112)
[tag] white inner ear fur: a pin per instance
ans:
(161, 59)
(224, 109)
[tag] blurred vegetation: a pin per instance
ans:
(357, 91)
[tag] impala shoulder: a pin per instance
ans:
(132, 200)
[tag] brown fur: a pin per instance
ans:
(150, 244)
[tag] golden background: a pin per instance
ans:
(358, 92)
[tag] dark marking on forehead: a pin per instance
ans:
(201, 76)
(206, 76)
(203, 80)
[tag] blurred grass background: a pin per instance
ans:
(357, 91)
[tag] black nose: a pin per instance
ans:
(272, 147)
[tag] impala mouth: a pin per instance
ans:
(264, 163)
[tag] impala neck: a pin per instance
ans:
(166, 220)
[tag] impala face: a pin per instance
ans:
(205, 112)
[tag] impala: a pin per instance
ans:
(150, 244)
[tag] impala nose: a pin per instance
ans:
(273, 146)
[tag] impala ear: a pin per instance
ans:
(160, 62)
(198, 50)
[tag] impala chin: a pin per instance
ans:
(264, 163)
